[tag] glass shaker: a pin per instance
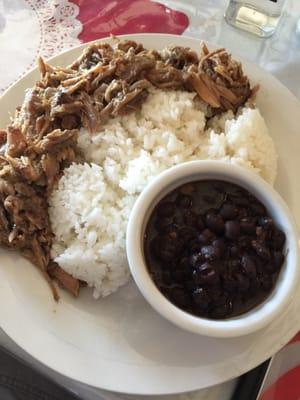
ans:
(260, 17)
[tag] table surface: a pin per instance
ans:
(202, 19)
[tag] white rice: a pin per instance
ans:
(89, 209)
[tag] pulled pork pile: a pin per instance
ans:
(104, 81)
(219, 80)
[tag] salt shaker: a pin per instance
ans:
(260, 17)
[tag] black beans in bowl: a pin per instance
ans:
(213, 250)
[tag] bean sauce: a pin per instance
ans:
(213, 250)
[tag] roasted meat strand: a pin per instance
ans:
(219, 80)
(65, 280)
(179, 57)
(104, 81)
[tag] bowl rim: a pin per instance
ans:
(253, 320)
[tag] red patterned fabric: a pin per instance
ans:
(295, 339)
(287, 387)
(100, 18)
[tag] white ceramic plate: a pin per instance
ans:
(120, 343)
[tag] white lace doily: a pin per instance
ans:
(32, 27)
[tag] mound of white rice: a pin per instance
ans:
(89, 209)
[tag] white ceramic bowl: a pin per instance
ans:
(288, 279)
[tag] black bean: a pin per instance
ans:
(219, 187)
(166, 254)
(155, 245)
(259, 231)
(266, 283)
(234, 264)
(260, 264)
(186, 234)
(229, 284)
(243, 213)
(172, 233)
(179, 275)
(217, 296)
(278, 239)
(257, 209)
(184, 201)
(270, 267)
(269, 237)
(190, 218)
(208, 198)
(243, 282)
(229, 211)
(201, 298)
(157, 275)
(261, 250)
(265, 222)
(166, 209)
(206, 236)
(196, 259)
(189, 284)
(248, 265)
(183, 263)
(205, 275)
(240, 201)
(254, 286)
(200, 223)
(222, 310)
(167, 277)
(164, 248)
(195, 246)
(180, 297)
(188, 189)
(234, 250)
(232, 229)
(220, 245)
(244, 242)
(210, 252)
(178, 220)
(247, 227)
(214, 222)
(162, 224)
(278, 259)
